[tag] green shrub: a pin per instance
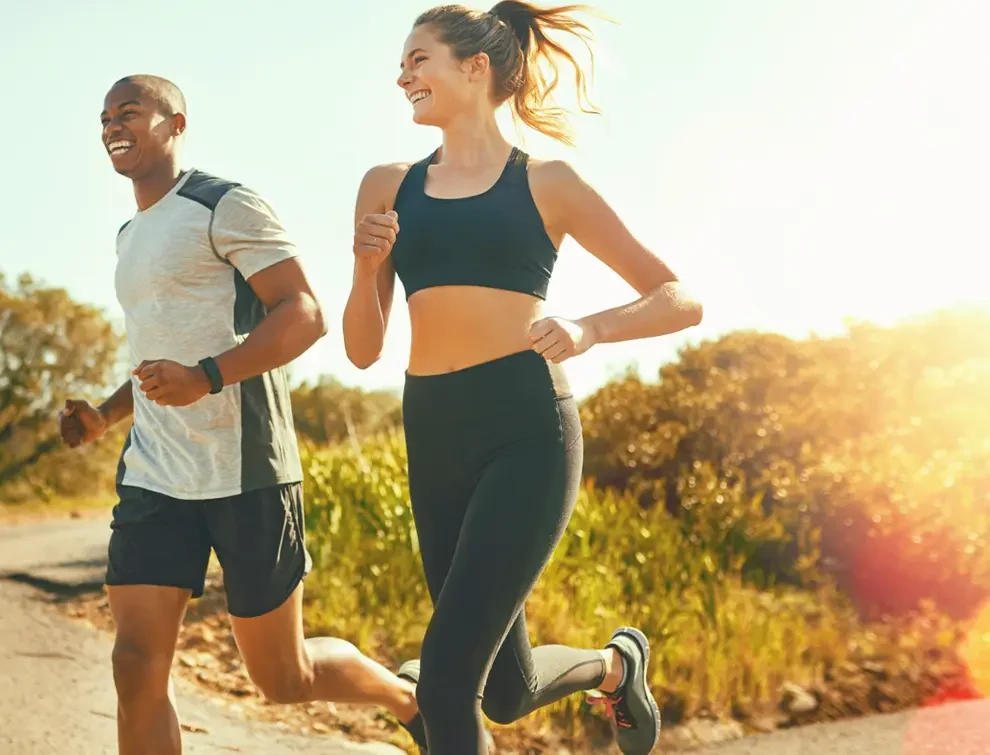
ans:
(721, 646)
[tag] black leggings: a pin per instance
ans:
(495, 455)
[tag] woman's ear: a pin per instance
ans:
(478, 66)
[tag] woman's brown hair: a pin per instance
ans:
(513, 35)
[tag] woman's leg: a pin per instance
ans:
(481, 566)
(514, 520)
(495, 457)
(523, 679)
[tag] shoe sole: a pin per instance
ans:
(644, 646)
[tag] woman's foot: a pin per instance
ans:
(629, 703)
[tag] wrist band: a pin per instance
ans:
(213, 373)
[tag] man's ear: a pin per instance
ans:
(178, 124)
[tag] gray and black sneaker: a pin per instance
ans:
(410, 672)
(632, 709)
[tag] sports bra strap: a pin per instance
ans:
(420, 167)
(515, 170)
(514, 173)
(415, 178)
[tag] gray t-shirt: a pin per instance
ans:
(181, 279)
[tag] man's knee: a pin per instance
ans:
(284, 683)
(139, 673)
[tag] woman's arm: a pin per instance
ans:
(572, 207)
(373, 283)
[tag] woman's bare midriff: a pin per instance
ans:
(454, 327)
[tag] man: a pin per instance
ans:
(216, 304)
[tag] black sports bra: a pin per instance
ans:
(495, 239)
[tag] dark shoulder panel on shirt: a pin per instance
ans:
(205, 189)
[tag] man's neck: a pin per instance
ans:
(152, 187)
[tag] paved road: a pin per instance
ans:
(960, 729)
(56, 691)
(56, 694)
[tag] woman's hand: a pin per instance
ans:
(373, 239)
(557, 339)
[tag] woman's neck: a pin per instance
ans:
(473, 141)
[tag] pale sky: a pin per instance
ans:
(797, 162)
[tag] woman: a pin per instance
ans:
(492, 430)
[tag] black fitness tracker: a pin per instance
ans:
(213, 373)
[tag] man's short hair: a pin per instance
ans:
(167, 96)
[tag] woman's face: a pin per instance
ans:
(436, 83)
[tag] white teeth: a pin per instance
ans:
(120, 146)
(417, 96)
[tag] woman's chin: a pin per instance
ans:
(425, 117)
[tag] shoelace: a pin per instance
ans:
(612, 709)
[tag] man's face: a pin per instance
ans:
(136, 134)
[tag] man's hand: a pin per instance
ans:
(170, 383)
(79, 423)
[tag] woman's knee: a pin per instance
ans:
(432, 693)
(503, 703)
(443, 689)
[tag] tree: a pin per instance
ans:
(330, 412)
(51, 348)
(867, 453)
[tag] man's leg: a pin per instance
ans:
(147, 619)
(158, 554)
(291, 669)
(259, 538)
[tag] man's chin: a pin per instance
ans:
(125, 166)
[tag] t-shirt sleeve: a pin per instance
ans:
(248, 234)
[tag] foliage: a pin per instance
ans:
(769, 510)
(875, 442)
(329, 411)
(51, 348)
(853, 468)
(728, 649)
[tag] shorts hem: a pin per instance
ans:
(196, 592)
(254, 612)
(207, 495)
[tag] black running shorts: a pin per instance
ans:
(258, 536)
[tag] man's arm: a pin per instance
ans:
(119, 406)
(294, 323)
(247, 234)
